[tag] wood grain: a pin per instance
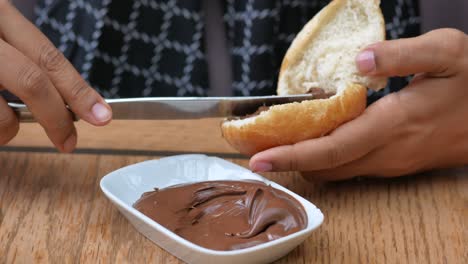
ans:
(52, 210)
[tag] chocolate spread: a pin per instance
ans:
(256, 113)
(318, 93)
(225, 215)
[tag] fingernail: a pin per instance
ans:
(101, 113)
(262, 167)
(366, 61)
(70, 143)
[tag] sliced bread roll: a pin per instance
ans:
(321, 60)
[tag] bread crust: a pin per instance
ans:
(291, 123)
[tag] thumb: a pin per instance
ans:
(436, 53)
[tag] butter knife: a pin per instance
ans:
(173, 108)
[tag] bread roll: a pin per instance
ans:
(321, 57)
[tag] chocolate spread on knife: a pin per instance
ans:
(225, 215)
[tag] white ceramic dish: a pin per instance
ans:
(125, 186)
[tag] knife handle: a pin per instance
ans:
(25, 116)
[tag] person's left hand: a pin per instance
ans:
(422, 127)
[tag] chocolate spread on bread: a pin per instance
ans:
(225, 215)
(318, 93)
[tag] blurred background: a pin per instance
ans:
(434, 13)
(451, 13)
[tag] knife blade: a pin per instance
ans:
(168, 108)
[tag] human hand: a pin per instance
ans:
(422, 127)
(35, 71)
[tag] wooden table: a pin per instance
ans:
(52, 210)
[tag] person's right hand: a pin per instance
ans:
(35, 71)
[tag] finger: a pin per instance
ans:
(435, 52)
(8, 122)
(26, 80)
(382, 162)
(349, 142)
(24, 36)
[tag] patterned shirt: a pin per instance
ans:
(139, 48)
